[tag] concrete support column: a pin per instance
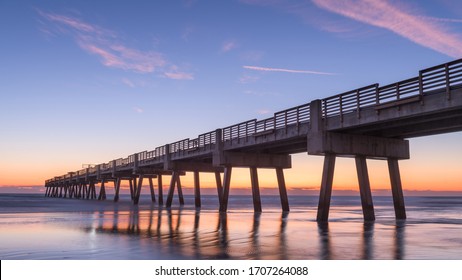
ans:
(255, 189)
(160, 189)
(396, 189)
(151, 188)
(79, 193)
(94, 191)
(66, 189)
(197, 190)
(132, 183)
(365, 188)
(219, 186)
(171, 189)
(326, 188)
(226, 185)
(282, 190)
(87, 190)
(102, 192)
(180, 190)
(117, 189)
(137, 190)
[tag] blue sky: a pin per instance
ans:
(90, 81)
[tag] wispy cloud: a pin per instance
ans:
(449, 20)
(267, 69)
(111, 50)
(176, 74)
(138, 110)
(229, 46)
(128, 82)
(247, 79)
(263, 111)
(416, 28)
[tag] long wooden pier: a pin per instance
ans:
(371, 122)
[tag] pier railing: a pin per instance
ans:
(437, 79)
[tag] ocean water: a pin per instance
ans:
(35, 227)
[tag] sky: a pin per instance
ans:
(85, 82)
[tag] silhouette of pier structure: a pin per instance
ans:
(371, 122)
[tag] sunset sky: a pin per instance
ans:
(85, 82)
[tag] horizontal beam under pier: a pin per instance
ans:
(341, 144)
(240, 159)
(192, 166)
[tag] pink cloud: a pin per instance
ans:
(179, 75)
(110, 49)
(228, 46)
(267, 69)
(138, 110)
(418, 29)
(128, 82)
(174, 73)
(246, 79)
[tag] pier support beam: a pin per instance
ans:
(226, 184)
(365, 188)
(219, 186)
(197, 190)
(102, 191)
(397, 189)
(255, 189)
(282, 190)
(137, 190)
(180, 190)
(117, 189)
(175, 181)
(151, 188)
(161, 190)
(326, 188)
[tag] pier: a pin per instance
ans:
(372, 122)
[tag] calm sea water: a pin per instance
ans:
(35, 227)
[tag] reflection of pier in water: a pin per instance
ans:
(197, 235)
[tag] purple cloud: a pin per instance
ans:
(112, 52)
(416, 28)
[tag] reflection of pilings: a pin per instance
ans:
(399, 239)
(196, 243)
(368, 235)
(222, 230)
(254, 235)
(134, 223)
(282, 237)
(324, 242)
(115, 221)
